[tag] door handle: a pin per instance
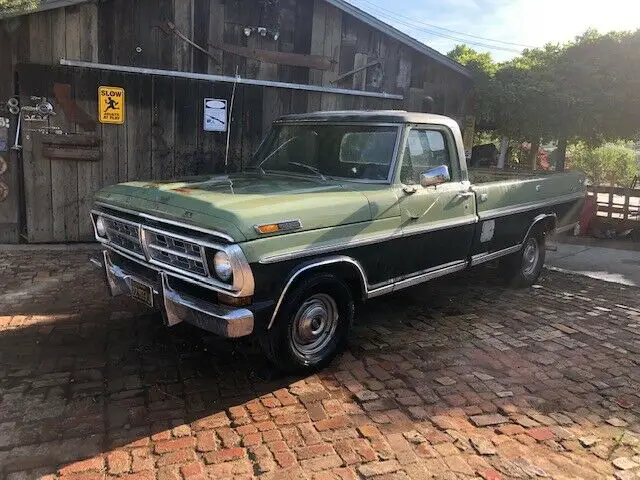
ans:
(465, 194)
(409, 190)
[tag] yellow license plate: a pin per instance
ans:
(142, 293)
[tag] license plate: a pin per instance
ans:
(142, 293)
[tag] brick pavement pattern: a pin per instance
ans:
(458, 378)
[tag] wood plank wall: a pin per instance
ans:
(163, 135)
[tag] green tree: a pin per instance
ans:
(511, 97)
(586, 90)
(13, 7)
(482, 62)
(597, 85)
(611, 163)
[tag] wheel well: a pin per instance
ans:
(545, 222)
(348, 272)
(344, 268)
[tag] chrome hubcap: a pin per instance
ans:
(530, 257)
(314, 325)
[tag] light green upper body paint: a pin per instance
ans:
(331, 211)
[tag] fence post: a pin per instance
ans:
(627, 197)
(611, 187)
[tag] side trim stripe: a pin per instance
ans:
(500, 212)
(403, 232)
(487, 257)
(374, 238)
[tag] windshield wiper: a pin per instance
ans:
(308, 167)
(280, 147)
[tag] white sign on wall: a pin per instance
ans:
(215, 115)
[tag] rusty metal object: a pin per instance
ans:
(71, 109)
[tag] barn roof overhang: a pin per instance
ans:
(44, 5)
(341, 5)
(399, 36)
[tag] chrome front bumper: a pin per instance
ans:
(179, 306)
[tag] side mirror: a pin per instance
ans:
(435, 176)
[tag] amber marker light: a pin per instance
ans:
(269, 228)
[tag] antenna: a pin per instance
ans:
(233, 97)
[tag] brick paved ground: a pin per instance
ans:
(456, 379)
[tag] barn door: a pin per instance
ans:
(57, 199)
(61, 149)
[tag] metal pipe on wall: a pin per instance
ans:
(227, 79)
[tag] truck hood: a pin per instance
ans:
(236, 204)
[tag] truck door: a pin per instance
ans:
(437, 221)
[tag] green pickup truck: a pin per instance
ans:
(333, 209)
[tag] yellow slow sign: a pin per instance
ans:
(111, 105)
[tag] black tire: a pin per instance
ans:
(303, 309)
(523, 268)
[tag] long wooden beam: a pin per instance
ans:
(317, 62)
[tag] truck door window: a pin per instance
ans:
(425, 149)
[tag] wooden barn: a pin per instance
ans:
(62, 137)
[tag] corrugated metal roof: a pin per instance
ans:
(398, 35)
(345, 7)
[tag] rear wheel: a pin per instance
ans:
(312, 325)
(522, 269)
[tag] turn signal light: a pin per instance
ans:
(234, 301)
(269, 228)
(286, 226)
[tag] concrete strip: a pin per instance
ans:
(607, 264)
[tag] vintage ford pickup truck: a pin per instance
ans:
(334, 208)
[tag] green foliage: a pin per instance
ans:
(609, 163)
(481, 62)
(13, 7)
(596, 87)
(586, 90)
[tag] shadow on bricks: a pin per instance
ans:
(459, 376)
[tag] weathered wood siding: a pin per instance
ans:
(163, 134)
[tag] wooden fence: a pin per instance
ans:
(617, 203)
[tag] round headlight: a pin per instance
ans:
(222, 266)
(101, 227)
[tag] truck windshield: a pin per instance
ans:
(356, 152)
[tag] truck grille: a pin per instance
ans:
(124, 235)
(176, 252)
(157, 245)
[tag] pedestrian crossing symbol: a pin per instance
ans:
(111, 105)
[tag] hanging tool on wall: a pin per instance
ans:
(348, 74)
(40, 111)
(170, 28)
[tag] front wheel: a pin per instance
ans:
(312, 325)
(522, 269)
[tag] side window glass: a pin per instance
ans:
(426, 149)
